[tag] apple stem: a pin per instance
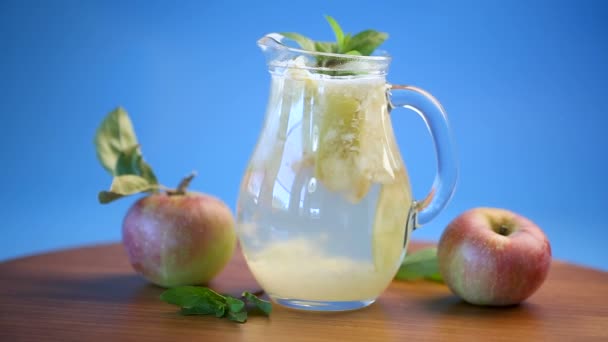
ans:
(182, 187)
(503, 230)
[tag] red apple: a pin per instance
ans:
(179, 239)
(493, 256)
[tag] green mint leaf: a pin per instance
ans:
(261, 304)
(125, 185)
(366, 41)
(114, 135)
(190, 296)
(131, 162)
(361, 44)
(326, 47)
(326, 61)
(346, 41)
(220, 311)
(240, 316)
(304, 42)
(420, 265)
(204, 309)
(234, 304)
(184, 296)
(337, 32)
(196, 300)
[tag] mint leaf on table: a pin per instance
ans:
(192, 296)
(205, 309)
(234, 304)
(420, 265)
(197, 300)
(240, 317)
(264, 305)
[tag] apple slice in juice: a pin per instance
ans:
(336, 164)
(390, 223)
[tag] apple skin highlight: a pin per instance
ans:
(484, 267)
(175, 240)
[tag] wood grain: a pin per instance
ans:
(92, 294)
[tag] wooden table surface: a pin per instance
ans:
(92, 294)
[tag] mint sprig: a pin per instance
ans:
(363, 43)
(420, 265)
(337, 32)
(198, 300)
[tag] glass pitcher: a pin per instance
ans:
(325, 207)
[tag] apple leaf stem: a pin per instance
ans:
(126, 185)
(119, 152)
(182, 187)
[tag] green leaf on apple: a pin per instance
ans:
(125, 185)
(120, 154)
(113, 136)
(198, 300)
(420, 265)
(131, 162)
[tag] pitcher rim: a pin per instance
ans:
(378, 62)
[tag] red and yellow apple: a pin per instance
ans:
(179, 239)
(493, 256)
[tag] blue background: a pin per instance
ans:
(524, 84)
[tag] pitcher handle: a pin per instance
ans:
(436, 120)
